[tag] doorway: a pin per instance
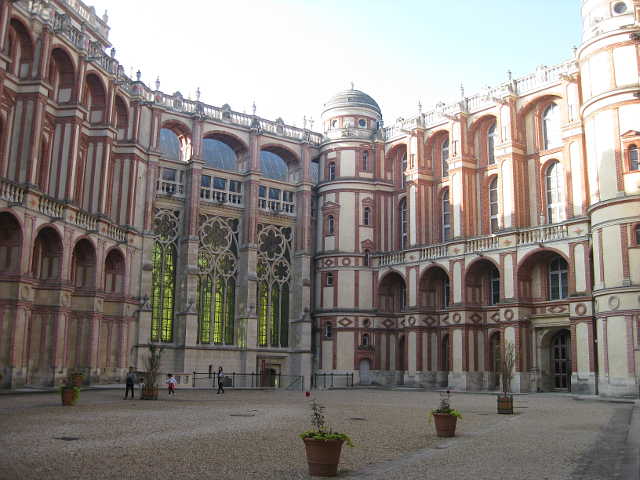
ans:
(561, 361)
(364, 366)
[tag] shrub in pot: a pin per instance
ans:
(69, 393)
(445, 417)
(323, 445)
(152, 366)
(505, 399)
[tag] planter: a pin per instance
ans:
(77, 379)
(69, 396)
(323, 456)
(149, 393)
(445, 424)
(505, 404)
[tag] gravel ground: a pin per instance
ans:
(253, 435)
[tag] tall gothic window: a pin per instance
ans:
(491, 142)
(555, 193)
(444, 158)
(275, 246)
(493, 205)
(218, 265)
(404, 224)
(446, 216)
(551, 127)
(558, 279)
(166, 229)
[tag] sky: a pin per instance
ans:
(291, 56)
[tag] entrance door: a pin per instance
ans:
(364, 372)
(561, 360)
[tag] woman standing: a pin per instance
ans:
(220, 376)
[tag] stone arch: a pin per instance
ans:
(114, 271)
(555, 373)
(480, 285)
(392, 289)
(536, 106)
(46, 260)
(234, 157)
(434, 287)
(20, 47)
(174, 140)
(280, 162)
(433, 149)
(532, 274)
(10, 243)
(83, 265)
(121, 117)
(95, 99)
(394, 161)
(478, 138)
(62, 75)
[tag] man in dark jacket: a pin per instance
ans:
(131, 380)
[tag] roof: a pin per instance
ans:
(352, 98)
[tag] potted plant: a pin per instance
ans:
(69, 392)
(445, 417)
(505, 399)
(77, 378)
(323, 445)
(152, 366)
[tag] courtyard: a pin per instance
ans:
(254, 435)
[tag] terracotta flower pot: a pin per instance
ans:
(445, 424)
(505, 404)
(150, 393)
(68, 396)
(323, 456)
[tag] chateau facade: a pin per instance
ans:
(408, 254)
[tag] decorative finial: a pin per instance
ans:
(105, 17)
(352, 85)
(509, 75)
(419, 107)
(253, 108)
(575, 50)
(304, 122)
(113, 53)
(198, 94)
(461, 90)
(158, 82)
(138, 75)
(311, 123)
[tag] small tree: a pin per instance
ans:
(508, 362)
(152, 368)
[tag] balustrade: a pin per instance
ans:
(50, 207)
(277, 200)
(11, 192)
(543, 234)
(86, 220)
(481, 244)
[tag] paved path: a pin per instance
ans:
(254, 435)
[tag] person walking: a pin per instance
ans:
(130, 382)
(171, 383)
(220, 376)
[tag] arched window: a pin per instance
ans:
(95, 100)
(174, 145)
(558, 279)
(274, 166)
(365, 340)
(366, 216)
(555, 193)
(365, 161)
(445, 213)
(47, 255)
(330, 225)
(114, 272)
(332, 171)
(494, 286)
(61, 76)
(493, 205)
(83, 265)
(491, 141)
(20, 50)
(404, 224)
(163, 282)
(444, 158)
(218, 266)
(10, 243)
(551, 127)
(633, 158)
(218, 154)
(122, 119)
(328, 330)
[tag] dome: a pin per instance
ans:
(352, 98)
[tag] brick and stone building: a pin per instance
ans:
(405, 254)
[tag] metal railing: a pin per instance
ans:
(275, 381)
(331, 380)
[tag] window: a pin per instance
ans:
(334, 123)
(274, 166)
(551, 127)
(332, 171)
(637, 233)
(446, 217)
(365, 161)
(555, 193)
(403, 297)
(365, 340)
(445, 292)
(366, 214)
(633, 158)
(329, 280)
(362, 123)
(403, 164)
(367, 257)
(491, 141)
(558, 279)
(330, 225)
(163, 283)
(444, 157)
(217, 154)
(404, 224)
(494, 287)
(328, 330)
(493, 205)
(619, 8)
